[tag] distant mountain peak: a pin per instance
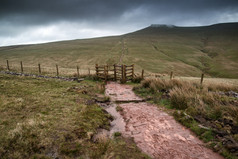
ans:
(162, 25)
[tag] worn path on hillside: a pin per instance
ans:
(154, 131)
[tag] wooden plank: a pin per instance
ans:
(99, 66)
(100, 69)
(129, 72)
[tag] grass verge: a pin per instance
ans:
(47, 118)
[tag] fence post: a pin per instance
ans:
(21, 67)
(115, 72)
(105, 74)
(88, 71)
(124, 72)
(57, 70)
(132, 71)
(96, 69)
(171, 75)
(78, 71)
(8, 66)
(202, 78)
(39, 68)
(142, 74)
(107, 70)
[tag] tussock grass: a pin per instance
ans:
(184, 93)
(221, 87)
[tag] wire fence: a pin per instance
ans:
(45, 70)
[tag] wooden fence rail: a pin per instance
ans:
(114, 72)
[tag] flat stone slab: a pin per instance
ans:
(121, 93)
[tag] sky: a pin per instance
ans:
(39, 21)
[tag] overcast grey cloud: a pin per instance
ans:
(35, 21)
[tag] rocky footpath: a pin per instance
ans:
(154, 131)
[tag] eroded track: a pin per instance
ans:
(154, 131)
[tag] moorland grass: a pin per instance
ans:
(187, 51)
(46, 118)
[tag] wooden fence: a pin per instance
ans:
(38, 69)
(115, 72)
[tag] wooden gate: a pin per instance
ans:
(116, 72)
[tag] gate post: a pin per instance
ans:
(115, 72)
(107, 69)
(105, 73)
(132, 71)
(124, 74)
(96, 67)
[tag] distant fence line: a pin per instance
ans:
(123, 73)
(39, 69)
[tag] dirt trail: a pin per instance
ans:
(154, 131)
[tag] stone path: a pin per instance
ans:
(121, 93)
(154, 131)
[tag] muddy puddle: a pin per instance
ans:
(155, 132)
(117, 124)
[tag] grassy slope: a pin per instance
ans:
(185, 50)
(55, 119)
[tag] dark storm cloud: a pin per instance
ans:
(21, 16)
(49, 10)
(43, 11)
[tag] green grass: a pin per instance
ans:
(46, 118)
(187, 51)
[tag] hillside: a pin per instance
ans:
(158, 49)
